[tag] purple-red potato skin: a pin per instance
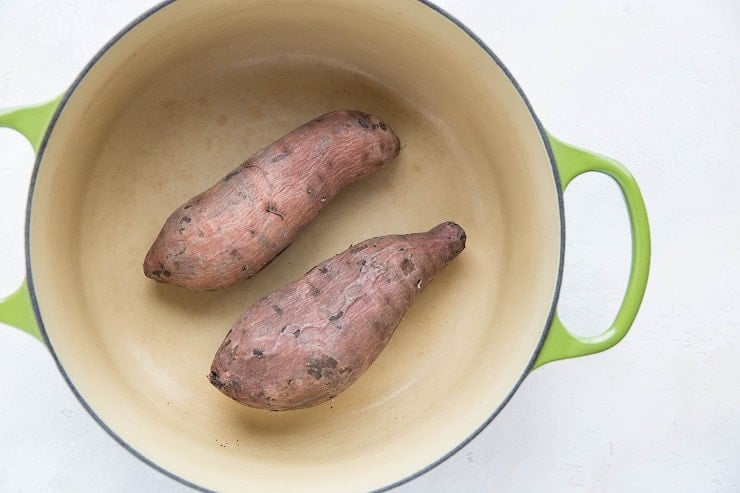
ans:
(311, 339)
(235, 228)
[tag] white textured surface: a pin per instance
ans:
(652, 83)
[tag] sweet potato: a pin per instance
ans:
(235, 228)
(311, 339)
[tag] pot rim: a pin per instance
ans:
(37, 311)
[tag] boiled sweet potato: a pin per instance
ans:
(309, 340)
(236, 227)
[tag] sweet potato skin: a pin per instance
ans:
(235, 228)
(311, 339)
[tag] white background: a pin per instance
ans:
(652, 83)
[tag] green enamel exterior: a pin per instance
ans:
(16, 310)
(31, 122)
(560, 343)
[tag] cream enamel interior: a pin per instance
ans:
(189, 93)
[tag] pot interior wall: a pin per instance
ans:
(187, 95)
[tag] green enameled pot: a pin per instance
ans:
(184, 94)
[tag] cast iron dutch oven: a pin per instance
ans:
(188, 91)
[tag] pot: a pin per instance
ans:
(189, 90)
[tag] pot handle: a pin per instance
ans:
(31, 122)
(560, 343)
